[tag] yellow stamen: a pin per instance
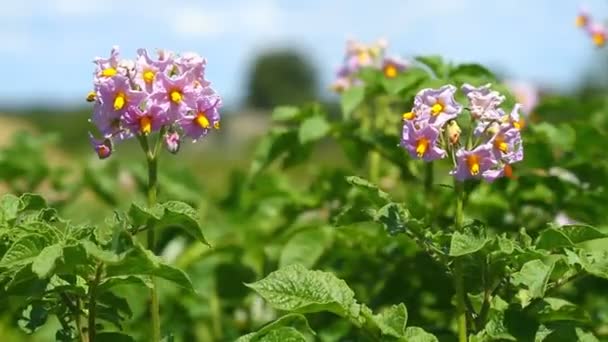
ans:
(119, 101)
(599, 39)
(519, 124)
(149, 76)
(145, 125)
(363, 57)
(581, 20)
(500, 144)
(473, 163)
(175, 96)
(109, 72)
(390, 71)
(216, 125)
(409, 116)
(421, 147)
(437, 108)
(91, 96)
(202, 120)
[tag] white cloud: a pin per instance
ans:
(251, 18)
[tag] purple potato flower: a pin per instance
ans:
(144, 122)
(176, 95)
(483, 102)
(107, 67)
(526, 94)
(205, 116)
(436, 106)
(421, 143)
(113, 99)
(476, 163)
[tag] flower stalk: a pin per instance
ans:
(461, 314)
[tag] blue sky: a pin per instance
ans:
(46, 46)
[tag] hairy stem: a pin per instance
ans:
(152, 162)
(458, 270)
(93, 302)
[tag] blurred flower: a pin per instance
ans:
(562, 219)
(598, 34)
(582, 19)
(526, 94)
(393, 66)
(421, 143)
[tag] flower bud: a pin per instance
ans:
(172, 142)
(103, 148)
(453, 131)
(91, 96)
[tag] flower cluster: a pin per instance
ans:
(360, 56)
(430, 131)
(595, 30)
(168, 94)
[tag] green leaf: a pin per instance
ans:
(567, 236)
(595, 262)
(32, 202)
(9, 207)
(33, 317)
(467, 242)
(285, 113)
(140, 215)
(140, 261)
(283, 334)
(557, 309)
(44, 263)
(110, 282)
(435, 64)
(113, 336)
(416, 334)
(392, 321)
(183, 216)
(471, 70)
(534, 275)
(377, 195)
(313, 129)
(405, 81)
(292, 319)
(295, 288)
(23, 251)
(305, 247)
(351, 99)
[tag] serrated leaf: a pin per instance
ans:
(285, 113)
(467, 242)
(283, 334)
(30, 201)
(23, 251)
(416, 334)
(183, 216)
(313, 129)
(295, 288)
(141, 261)
(351, 99)
(113, 336)
(44, 263)
(305, 247)
(392, 321)
(534, 275)
(567, 236)
(291, 319)
(9, 207)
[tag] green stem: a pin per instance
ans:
(151, 195)
(458, 271)
(429, 173)
(93, 302)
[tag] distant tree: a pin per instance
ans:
(280, 77)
